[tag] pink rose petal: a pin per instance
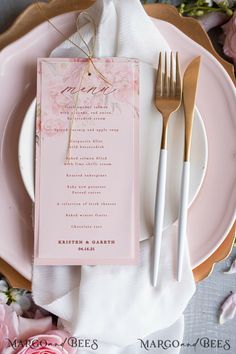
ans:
(228, 309)
(8, 325)
(31, 332)
(232, 268)
(230, 38)
(53, 342)
(212, 19)
(30, 327)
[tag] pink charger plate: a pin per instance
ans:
(211, 215)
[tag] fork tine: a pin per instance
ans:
(172, 85)
(166, 77)
(159, 77)
(178, 79)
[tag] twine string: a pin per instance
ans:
(89, 54)
(91, 51)
(76, 101)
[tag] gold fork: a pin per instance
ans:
(167, 101)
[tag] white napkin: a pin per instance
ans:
(117, 305)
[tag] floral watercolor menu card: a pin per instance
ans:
(87, 162)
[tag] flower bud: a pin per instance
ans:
(199, 13)
(229, 12)
(223, 4)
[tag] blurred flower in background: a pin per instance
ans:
(212, 14)
(215, 13)
(19, 300)
(202, 7)
(230, 38)
(23, 323)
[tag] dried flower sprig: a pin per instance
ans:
(201, 7)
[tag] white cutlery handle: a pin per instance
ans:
(159, 212)
(183, 215)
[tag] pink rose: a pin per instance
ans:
(230, 38)
(14, 327)
(8, 325)
(53, 342)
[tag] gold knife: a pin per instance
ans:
(189, 98)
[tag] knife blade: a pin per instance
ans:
(189, 98)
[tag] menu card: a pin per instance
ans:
(87, 162)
